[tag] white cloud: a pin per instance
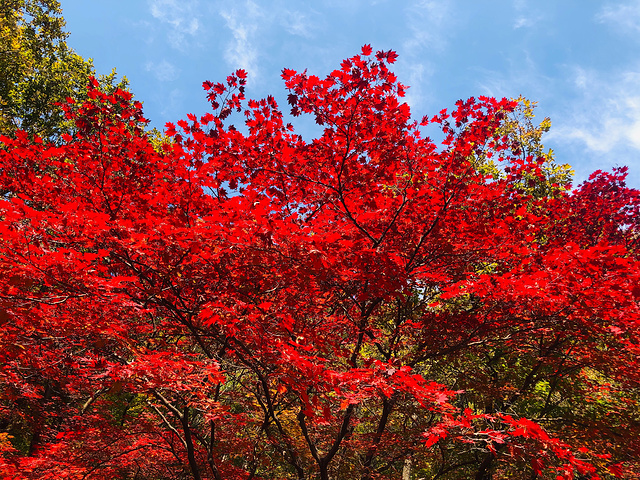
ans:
(415, 75)
(428, 24)
(624, 15)
(606, 115)
(526, 22)
(181, 16)
(298, 23)
(242, 51)
(426, 20)
(164, 70)
(524, 17)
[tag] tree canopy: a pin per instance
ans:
(243, 304)
(38, 71)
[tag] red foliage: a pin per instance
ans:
(254, 306)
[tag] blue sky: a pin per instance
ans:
(579, 59)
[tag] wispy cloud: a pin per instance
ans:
(298, 23)
(428, 22)
(182, 18)
(164, 71)
(625, 15)
(607, 114)
(526, 22)
(524, 17)
(243, 23)
(603, 120)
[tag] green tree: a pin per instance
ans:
(38, 70)
(519, 130)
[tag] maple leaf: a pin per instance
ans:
(170, 129)
(287, 73)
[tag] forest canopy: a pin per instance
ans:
(242, 304)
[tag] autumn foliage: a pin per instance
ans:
(244, 304)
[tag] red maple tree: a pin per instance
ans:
(248, 305)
